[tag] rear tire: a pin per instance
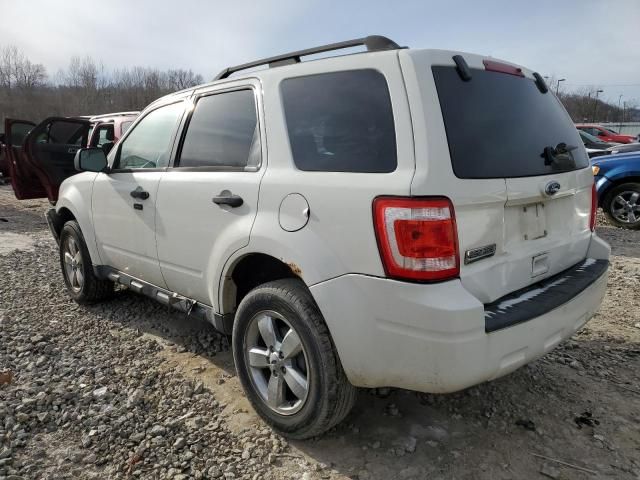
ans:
(77, 270)
(297, 386)
(622, 205)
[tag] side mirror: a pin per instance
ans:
(91, 159)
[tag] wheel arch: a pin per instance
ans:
(246, 272)
(74, 203)
(615, 182)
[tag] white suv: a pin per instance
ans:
(421, 219)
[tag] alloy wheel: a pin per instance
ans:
(277, 362)
(73, 264)
(625, 207)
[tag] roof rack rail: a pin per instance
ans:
(372, 42)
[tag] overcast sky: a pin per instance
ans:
(588, 42)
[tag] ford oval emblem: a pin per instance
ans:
(552, 188)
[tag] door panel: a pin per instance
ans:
(50, 149)
(193, 233)
(219, 156)
(125, 233)
(24, 181)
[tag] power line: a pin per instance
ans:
(603, 84)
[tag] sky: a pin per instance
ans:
(591, 43)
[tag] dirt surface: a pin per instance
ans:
(127, 389)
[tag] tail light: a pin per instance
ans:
(417, 238)
(594, 207)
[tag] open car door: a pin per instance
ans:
(49, 151)
(25, 182)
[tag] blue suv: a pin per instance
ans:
(618, 185)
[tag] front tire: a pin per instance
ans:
(77, 270)
(287, 363)
(622, 206)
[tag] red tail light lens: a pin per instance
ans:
(594, 207)
(417, 238)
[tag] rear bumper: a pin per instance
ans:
(432, 338)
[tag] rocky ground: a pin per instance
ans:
(128, 389)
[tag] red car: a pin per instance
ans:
(605, 134)
(39, 157)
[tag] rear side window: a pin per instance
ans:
(223, 132)
(498, 126)
(340, 122)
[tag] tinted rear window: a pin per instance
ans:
(340, 122)
(498, 125)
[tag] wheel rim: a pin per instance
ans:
(73, 264)
(277, 362)
(625, 207)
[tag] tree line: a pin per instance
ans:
(86, 87)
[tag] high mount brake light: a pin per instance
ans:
(417, 238)
(500, 67)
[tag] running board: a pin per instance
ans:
(222, 323)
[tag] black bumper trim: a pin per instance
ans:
(542, 297)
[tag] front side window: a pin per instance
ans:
(103, 135)
(223, 132)
(340, 122)
(149, 143)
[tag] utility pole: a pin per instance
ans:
(619, 112)
(595, 105)
(558, 85)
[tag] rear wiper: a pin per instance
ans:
(560, 156)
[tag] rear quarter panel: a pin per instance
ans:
(339, 237)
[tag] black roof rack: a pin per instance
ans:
(373, 43)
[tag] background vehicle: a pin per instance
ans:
(595, 147)
(381, 240)
(40, 157)
(622, 148)
(618, 185)
(4, 163)
(605, 134)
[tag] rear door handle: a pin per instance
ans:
(228, 198)
(140, 193)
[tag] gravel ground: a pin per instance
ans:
(128, 389)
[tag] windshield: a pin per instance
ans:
(612, 131)
(587, 137)
(501, 126)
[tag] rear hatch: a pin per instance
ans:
(511, 161)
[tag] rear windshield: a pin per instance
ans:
(500, 125)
